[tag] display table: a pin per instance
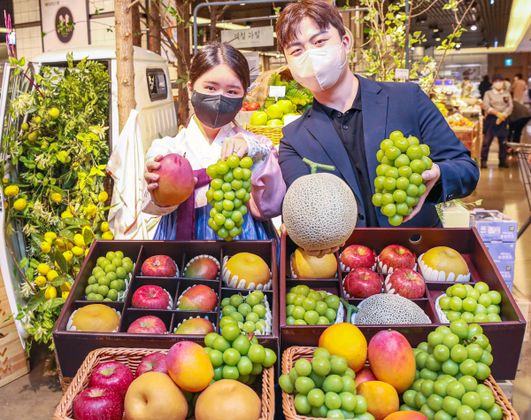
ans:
(471, 137)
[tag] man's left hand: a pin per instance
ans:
(430, 178)
(236, 145)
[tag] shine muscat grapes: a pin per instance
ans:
(399, 184)
(451, 367)
(229, 193)
(471, 303)
(107, 280)
(248, 313)
(324, 387)
(305, 306)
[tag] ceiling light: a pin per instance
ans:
(474, 27)
(438, 39)
(458, 46)
(495, 43)
(491, 2)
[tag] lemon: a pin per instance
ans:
(24, 126)
(54, 113)
(5, 180)
(46, 247)
(43, 269)
(66, 286)
(50, 236)
(50, 293)
(66, 214)
(40, 281)
(33, 136)
(64, 295)
(77, 251)
(103, 196)
(91, 210)
(20, 204)
(52, 275)
(60, 243)
(78, 240)
(11, 190)
(104, 226)
(56, 197)
(107, 236)
(68, 255)
(36, 119)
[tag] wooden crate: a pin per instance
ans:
(13, 361)
(6, 317)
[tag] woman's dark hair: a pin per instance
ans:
(216, 53)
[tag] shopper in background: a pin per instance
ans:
(484, 85)
(517, 121)
(518, 88)
(498, 105)
(466, 88)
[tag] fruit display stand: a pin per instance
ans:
(131, 357)
(73, 346)
(471, 137)
(506, 337)
(292, 354)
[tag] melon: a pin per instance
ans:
(387, 309)
(319, 211)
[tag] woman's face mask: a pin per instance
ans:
(215, 111)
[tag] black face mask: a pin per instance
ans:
(215, 110)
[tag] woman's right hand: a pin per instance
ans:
(150, 177)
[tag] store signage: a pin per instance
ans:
(64, 24)
(261, 36)
(401, 74)
(508, 62)
(277, 91)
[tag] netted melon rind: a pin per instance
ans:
(319, 211)
(431, 274)
(400, 311)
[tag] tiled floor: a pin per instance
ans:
(35, 396)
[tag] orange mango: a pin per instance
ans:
(406, 415)
(381, 397)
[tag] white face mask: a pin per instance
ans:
(318, 68)
(498, 85)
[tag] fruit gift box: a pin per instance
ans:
(175, 291)
(380, 278)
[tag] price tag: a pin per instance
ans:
(401, 74)
(277, 91)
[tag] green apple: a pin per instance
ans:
(275, 122)
(286, 105)
(274, 111)
(258, 118)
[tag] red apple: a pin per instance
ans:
(148, 324)
(406, 282)
(98, 403)
(396, 256)
(150, 296)
(362, 282)
(114, 375)
(364, 375)
(354, 256)
(198, 298)
(176, 180)
(154, 362)
(159, 266)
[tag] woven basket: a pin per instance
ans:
(132, 357)
(292, 354)
(272, 133)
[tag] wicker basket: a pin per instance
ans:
(272, 133)
(292, 354)
(132, 357)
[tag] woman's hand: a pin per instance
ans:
(430, 178)
(319, 253)
(149, 176)
(236, 145)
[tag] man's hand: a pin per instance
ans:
(318, 253)
(430, 178)
(500, 118)
(236, 145)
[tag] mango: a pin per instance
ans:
(381, 397)
(406, 415)
(189, 366)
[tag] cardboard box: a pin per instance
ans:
(508, 277)
(493, 225)
(502, 251)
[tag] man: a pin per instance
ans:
(484, 85)
(518, 88)
(518, 121)
(351, 115)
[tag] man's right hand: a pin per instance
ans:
(150, 177)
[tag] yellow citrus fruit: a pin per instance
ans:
(77, 251)
(103, 196)
(86, 252)
(20, 204)
(50, 236)
(104, 226)
(52, 275)
(91, 210)
(34, 135)
(24, 126)
(5, 180)
(11, 190)
(43, 269)
(64, 295)
(60, 243)
(68, 255)
(50, 293)
(66, 215)
(36, 119)
(107, 236)
(40, 281)
(56, 197)
(345, 340)
(54, 113)
(66, 286)
(46, 247)
(78, 240)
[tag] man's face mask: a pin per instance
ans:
(215, 111)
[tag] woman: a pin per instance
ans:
(219, 78)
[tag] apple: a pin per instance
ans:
(354, 256)
(97, 403)
(274, 111)
(159, 266)
(362, 282)
(154, 362)
(406, 282)
(150, 296)
(258, 118)
(364, 375)
(286, 106)
(275, 122)
(148, 324)
(114, 375)
(395, 256)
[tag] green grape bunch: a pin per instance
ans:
(399, 184)
(229, 193)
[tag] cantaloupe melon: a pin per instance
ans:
(319, 211)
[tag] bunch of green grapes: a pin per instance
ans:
(450, 368)
(399, 183)
(107, 281)
(471, 303)
(229, 193)
(236, 356)
(248, 312)
(305, 306)
(325, 387)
